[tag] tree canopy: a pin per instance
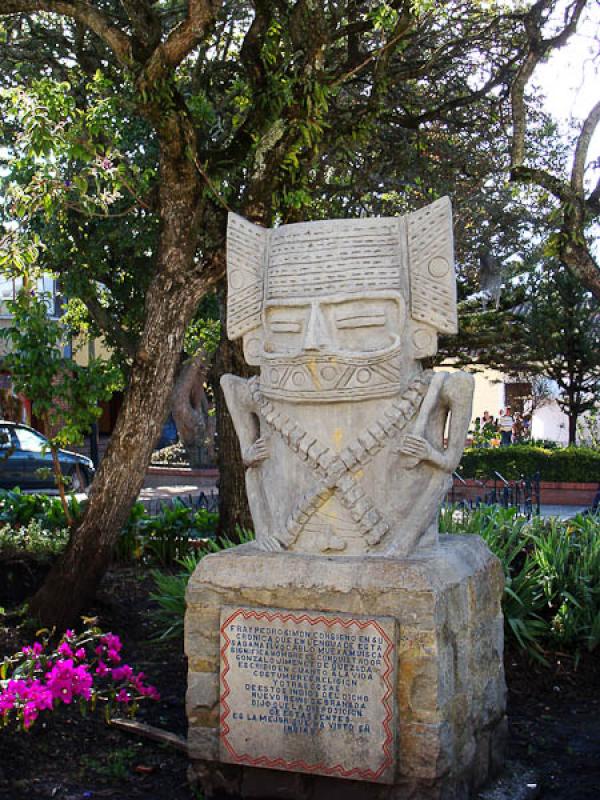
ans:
(132, 128)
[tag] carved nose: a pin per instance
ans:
(313, 338)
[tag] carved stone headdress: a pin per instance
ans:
(410, 255)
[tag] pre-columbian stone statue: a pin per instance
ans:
(349, 444)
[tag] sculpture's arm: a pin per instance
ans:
(456, 396)
(245, 419)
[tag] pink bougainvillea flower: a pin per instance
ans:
(35, 650)
(30, 714)
(112, 641)
(67, 673)
(82, 682)
(122, 673)
(123, 697)
(151, 692)
(60, 681)
(7, 702)
(102, 670)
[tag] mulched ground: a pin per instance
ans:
(554, 716)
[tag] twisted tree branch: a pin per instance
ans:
(118, 41)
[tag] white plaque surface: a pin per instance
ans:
(308, 691)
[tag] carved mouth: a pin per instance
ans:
(328, 378)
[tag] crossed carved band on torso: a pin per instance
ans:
(334, 470)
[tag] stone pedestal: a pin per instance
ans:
(442, 612)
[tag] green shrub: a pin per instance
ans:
(552, 575)
(32, 539)
(18, 509)
(162, 539)
(577, 464)
(170, 588)
(167, 537)
(567, 561)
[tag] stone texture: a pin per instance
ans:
(349, 446)
(450, 691)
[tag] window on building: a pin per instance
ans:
(516, 395)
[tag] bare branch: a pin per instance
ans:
(183, 38)
(519, 110)
(581, 150)
(90, 16)
(539, 49)
(560, 189)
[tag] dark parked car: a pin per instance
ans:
(24, 452)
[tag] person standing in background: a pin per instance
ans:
(505, 424)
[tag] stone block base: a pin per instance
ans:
(450, 689)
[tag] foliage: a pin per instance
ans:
(64, 395)
(577, 464)
(170, 587)
(36, 522)
(84, 670)
(482, 435)
(588, 430)
(204, 332)
(547, 327)
(552, 575)
(128, 137)
(559, 336)
(32, 539)
(567, 560)
(166, 538)
(19, 509)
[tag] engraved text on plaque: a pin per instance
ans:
(308, 691)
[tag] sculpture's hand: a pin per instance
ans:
(270, 544)
(417, 447)
(256, 453)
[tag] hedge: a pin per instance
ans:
(576, 464)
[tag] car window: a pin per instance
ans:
(28, 440)
(5, 438)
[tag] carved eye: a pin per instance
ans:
(375, 319)
(285, 326)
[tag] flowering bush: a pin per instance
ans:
(86, 669)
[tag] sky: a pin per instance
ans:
(570, 79)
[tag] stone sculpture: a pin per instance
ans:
(349, 444)
(349, 651)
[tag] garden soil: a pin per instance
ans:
(554, 720)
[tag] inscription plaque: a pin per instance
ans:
(308, 691)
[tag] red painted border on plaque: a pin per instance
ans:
(280, 763)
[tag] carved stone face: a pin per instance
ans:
(333, 325)
(332, 346)
(340, 309)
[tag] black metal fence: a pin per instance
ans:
(522, 494)
(206, 500)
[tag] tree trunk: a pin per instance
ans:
(233, 503)
(190, 411)
(171, 301)
(573, 427)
